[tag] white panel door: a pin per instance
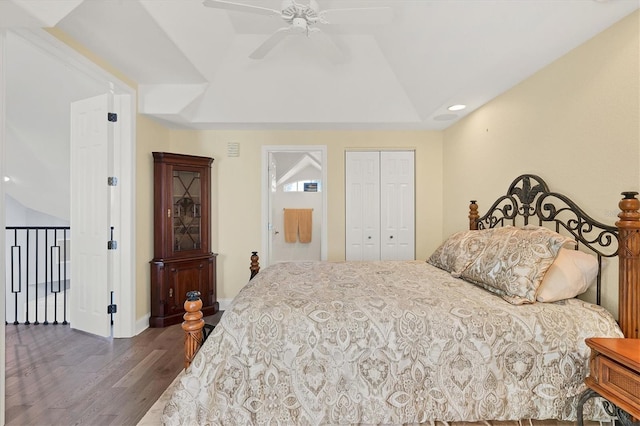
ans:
(89, 216)
(397, 205)
(362, 191)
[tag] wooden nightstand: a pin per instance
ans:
(614, 369)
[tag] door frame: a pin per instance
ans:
(124, 287)
(266, 231)
(2, 220)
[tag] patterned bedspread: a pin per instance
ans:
(386, 343)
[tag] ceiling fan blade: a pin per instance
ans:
(240, 7)
(270, 43)
(326, 43)
(364, 15)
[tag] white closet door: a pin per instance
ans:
(362, 190)
(397, 205)
(380, 205)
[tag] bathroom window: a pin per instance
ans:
(303, 186)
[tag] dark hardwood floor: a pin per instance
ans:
(59, 376)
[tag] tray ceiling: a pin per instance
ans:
(193, 68)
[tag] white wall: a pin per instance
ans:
(18, 214)
(37, 127)
(2, 214)
(281, 250)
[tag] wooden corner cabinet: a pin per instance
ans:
(182, 258)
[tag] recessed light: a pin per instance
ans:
(7, 178)
(457, 107)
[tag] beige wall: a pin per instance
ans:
(237, 188)
(150, 136)
(575, 123)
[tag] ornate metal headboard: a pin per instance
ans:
(529, 201)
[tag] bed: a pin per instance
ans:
(459, 337)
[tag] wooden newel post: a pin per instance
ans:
(255, 265)
(473, 216)
(192, 326)
(629, 261)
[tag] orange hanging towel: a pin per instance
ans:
(305, 223)
(290, 225)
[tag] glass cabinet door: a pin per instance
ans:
(186, 210)
(182, 259)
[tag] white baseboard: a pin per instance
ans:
(142, 324)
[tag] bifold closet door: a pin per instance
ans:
(362, 190)
(397, 205)
(380, 205)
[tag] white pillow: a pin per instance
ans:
(570, 274)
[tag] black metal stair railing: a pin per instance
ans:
(38, 269)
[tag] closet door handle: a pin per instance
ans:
(391, 237)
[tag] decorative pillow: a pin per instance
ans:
(571, 274)
(514, 262)
(459, 250)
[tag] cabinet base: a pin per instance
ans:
(158, 322)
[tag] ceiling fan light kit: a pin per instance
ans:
(300, 23)
(301, 19)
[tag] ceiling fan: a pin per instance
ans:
(303, 19)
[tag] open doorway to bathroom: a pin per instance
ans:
(294, 204)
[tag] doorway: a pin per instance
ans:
(40, 98)
(294, 204)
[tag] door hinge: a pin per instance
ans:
(112, 244)
(112, 308)
(112, 117)
(112, 181)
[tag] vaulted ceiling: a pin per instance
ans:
(400, 68)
